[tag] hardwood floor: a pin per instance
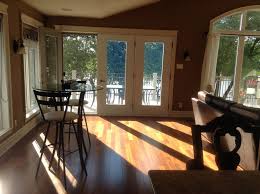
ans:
(123, 151)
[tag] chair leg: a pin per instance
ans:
(83, 142)
(69, 135)
(87, 127)
(42, 150)
(59, 146)
(80, 140)
(69, 128)
(94, 96)
(63, 154)
(55, 144)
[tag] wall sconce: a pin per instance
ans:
(186, 56)
(18, 47)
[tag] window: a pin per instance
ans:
(232, 58)
(31, 67)
(31, 75)
(5, 118)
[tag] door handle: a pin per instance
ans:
(101, 80)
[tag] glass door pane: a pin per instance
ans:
(152, 75)
(225, 69)
(116, 70)
(115, 74)
(249, 92)
(152, 69)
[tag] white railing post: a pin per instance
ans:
(73, 77)
(154, 85)
(258, 90)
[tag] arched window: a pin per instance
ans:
(232, 58)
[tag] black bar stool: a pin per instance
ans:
(56, 104)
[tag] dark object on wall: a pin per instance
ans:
(18, 47)
(186, 55)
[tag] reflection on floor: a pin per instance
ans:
(123, 151)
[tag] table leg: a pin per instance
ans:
(81, 144)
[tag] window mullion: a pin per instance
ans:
(238, 68)
(243, 21)
(240, 58)
(214, 59)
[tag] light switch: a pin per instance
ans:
(179, 66)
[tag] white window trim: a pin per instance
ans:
(34, 45)
(37, 24)
(3, 8)
(31, 21)
(211, 51)
(9, 112)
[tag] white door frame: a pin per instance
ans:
(139, 66)
(103, 108)
(133, 32)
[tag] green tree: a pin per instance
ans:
(228, 45)
(153, 58)
(79, 53)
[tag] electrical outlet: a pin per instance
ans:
(179, 66)
(180, 105)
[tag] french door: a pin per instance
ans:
(51, 56)
(115, 74)
(135, 74)
(152, 75)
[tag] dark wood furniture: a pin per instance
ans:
(204, 182)
(217, 117)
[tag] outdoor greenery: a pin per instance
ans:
(228, 45)
(80, 54)
(153, 58)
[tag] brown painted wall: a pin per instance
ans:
(15, 8)
(191, 19)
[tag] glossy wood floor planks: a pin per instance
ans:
(123, 150)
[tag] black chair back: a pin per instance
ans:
(81, 103)
(58, 100)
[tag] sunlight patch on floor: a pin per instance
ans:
(176, 125)
(58, 185)
(146, 157)
(179, 145)
(69, 175)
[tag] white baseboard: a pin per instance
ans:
(13, 139)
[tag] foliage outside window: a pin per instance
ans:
(228, 23)
(238, 48)
(79, 56)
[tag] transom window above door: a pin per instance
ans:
(232, 58)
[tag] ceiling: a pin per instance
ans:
(86, 8)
